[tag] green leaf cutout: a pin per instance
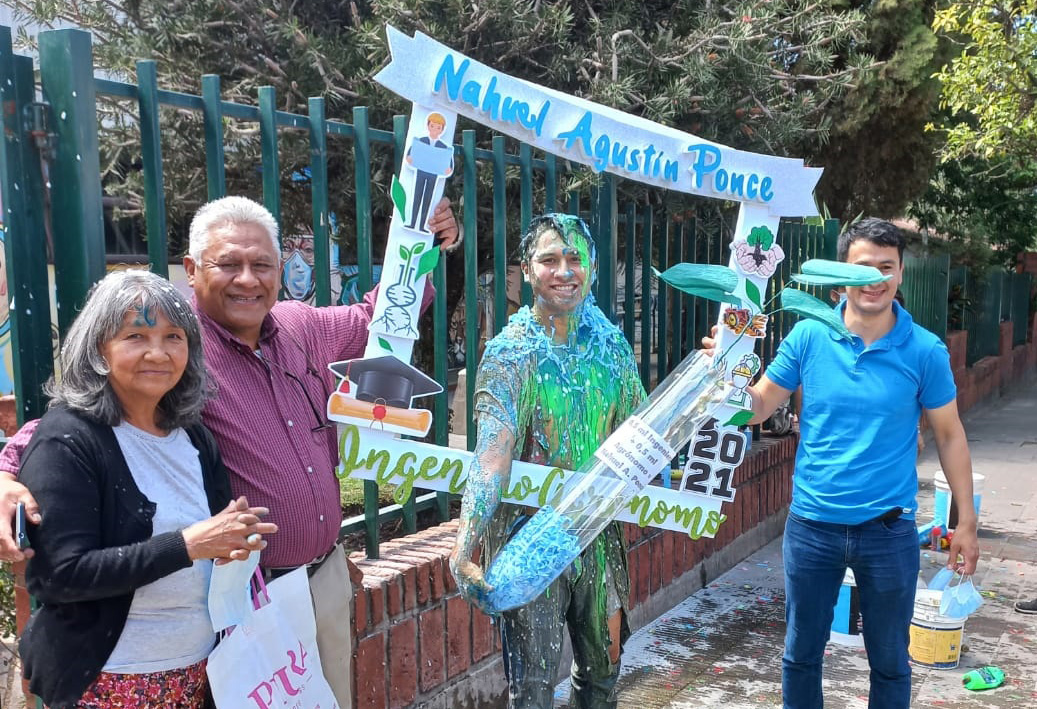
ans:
(714, 294)
(688, 277)
(427, 262)
(806, 305)
(404, 252)
(418, 248)
(754, 294)
(399, 197)
(821, 272)
(384, 344)
(740, 419)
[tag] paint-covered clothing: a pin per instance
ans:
(561, 402)
(858, 427)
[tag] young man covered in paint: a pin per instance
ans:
(551, 387)
(855, 484)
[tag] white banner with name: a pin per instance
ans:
(431, 74)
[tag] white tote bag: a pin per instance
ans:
(270, 661)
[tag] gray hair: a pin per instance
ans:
(226, 211)
(84, 385)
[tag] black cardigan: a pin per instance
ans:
(94, 547)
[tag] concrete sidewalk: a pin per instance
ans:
(722, 646)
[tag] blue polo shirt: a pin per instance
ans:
(857, 448)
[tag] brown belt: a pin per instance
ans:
(269, 574)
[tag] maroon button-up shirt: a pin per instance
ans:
(265, 411)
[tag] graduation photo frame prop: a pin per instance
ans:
(442, 82)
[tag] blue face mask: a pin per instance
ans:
(960, 600)
(297, 277)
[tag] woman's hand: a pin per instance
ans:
(232, 534)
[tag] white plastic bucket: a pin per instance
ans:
(935, 638)
(942, 497)
(846, 623)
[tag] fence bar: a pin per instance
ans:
(628, 272)
(399, 142)
(271, 158)
(24, 236)
(151, 157)
(440, 410)
(603, 227)
(661, 321)
(500, 236)
(320, 196)
(678, 297)
(646, 295)
(77, 217)
(688, 251)
(362, 179)
(471, 278)
(550, 183)
(525, 207)
(212, 118)
(573, 201)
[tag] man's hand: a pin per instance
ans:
(470, 582)
(11, 493)
(964, 551)
(709, 344)
(443, 224)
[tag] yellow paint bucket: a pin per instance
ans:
(935, 638)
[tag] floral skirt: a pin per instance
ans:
(172, 689)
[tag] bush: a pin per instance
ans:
(7, 617)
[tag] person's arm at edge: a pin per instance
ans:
(12, 492)
(766, 397)
(488, 477)
(953, 449)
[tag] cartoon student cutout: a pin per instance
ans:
(432, 160)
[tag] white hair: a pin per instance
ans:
(225, 211)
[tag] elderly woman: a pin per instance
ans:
(135, 505)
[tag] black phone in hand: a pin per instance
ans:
(21, 532)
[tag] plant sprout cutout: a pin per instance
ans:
(717, 283)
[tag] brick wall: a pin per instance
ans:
(419, 644)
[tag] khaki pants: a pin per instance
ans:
(332, 593)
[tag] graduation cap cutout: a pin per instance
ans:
(386, 380)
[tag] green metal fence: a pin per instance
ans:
(925, 288)
(646, 234)
(1020, 287)
(659, 229)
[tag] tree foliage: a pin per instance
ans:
(991, 86)
(759, 76)
(983, 211)
(878, 156)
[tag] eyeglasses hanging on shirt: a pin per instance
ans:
(322, 423)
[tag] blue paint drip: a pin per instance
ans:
(535, 556)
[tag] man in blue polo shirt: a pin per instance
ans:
(853, 500)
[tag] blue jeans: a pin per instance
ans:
(884, 559)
